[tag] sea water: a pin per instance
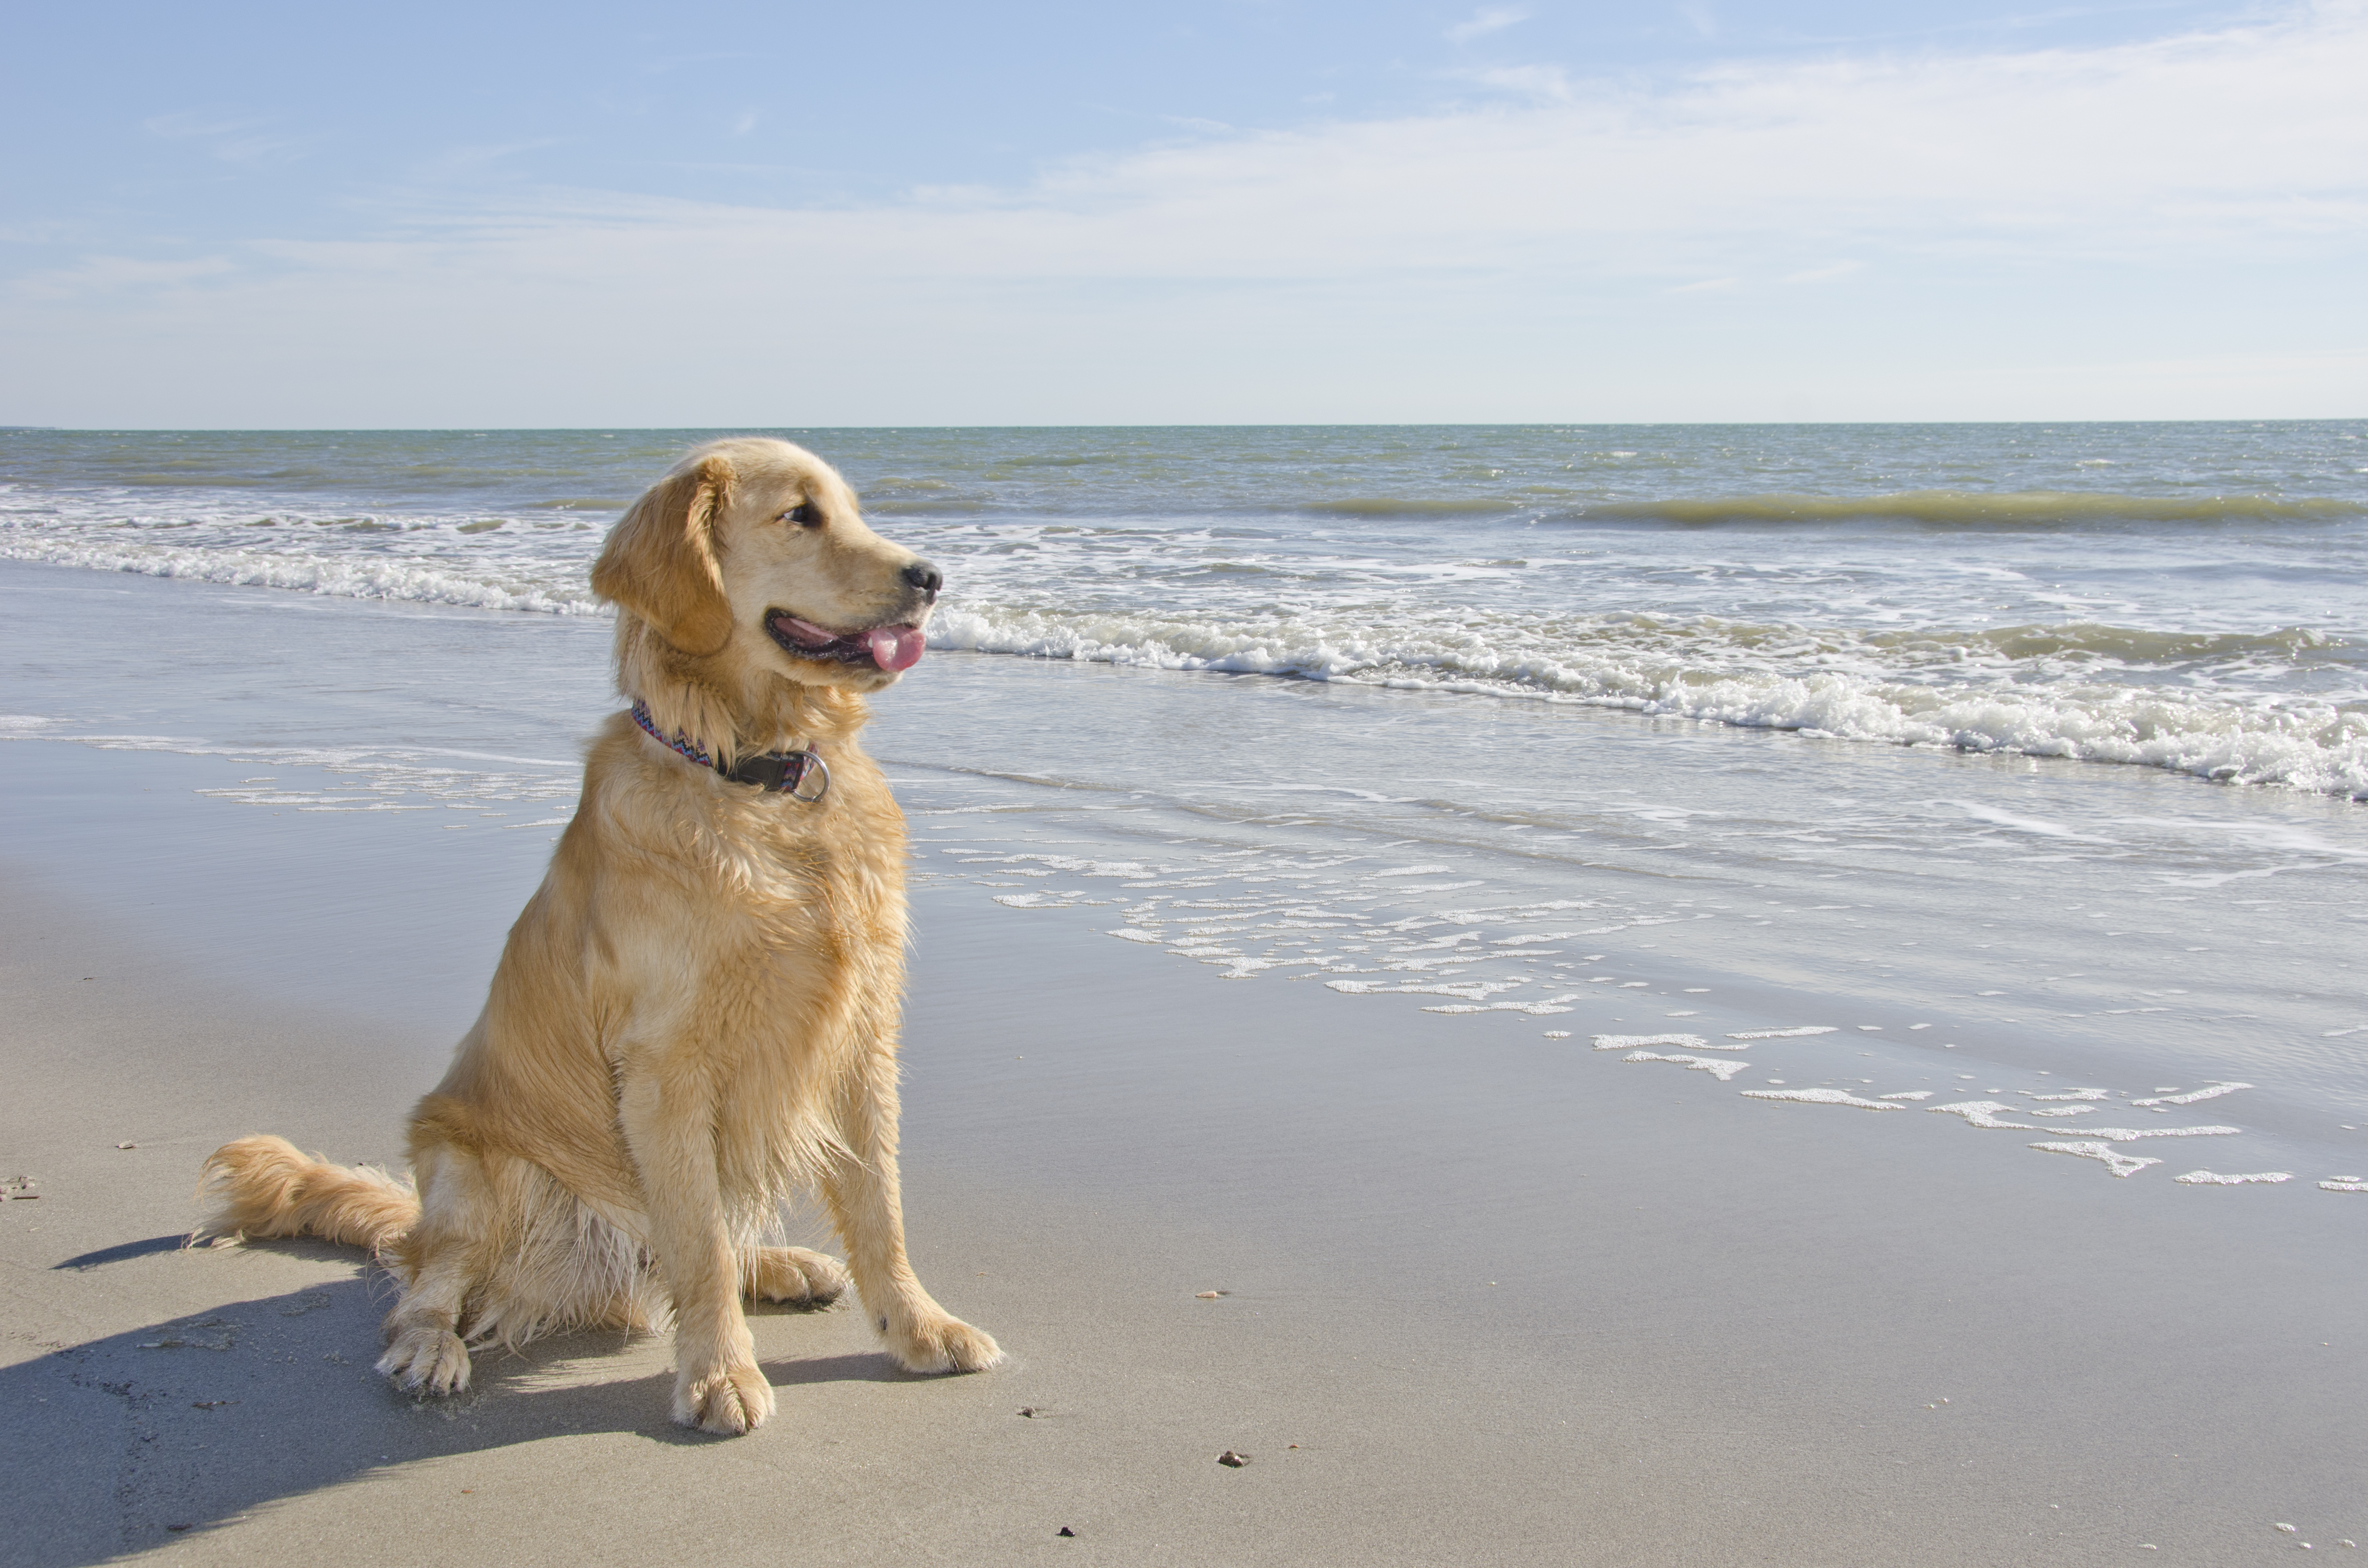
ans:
(1864, 750)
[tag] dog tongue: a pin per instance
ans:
(896, 647)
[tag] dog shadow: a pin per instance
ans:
(128, 1442)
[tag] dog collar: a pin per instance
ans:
(776, 772)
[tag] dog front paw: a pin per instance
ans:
(728, 1400)
(942, 1343)
(426, 1359)
(794, 1276)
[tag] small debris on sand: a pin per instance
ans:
(1029, 1411)
(1233, 1461)
(127, 1145)
(1066, 1531)
(1212, 1295)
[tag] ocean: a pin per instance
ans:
(1785, 758)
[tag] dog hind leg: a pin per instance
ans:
(792, 1275)
(437, 1264)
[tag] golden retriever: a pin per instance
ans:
(696, 1016)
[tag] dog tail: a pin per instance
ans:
(267, 1186)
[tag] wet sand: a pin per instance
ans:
(1510, 1301)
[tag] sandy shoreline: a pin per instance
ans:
(1513, 1305)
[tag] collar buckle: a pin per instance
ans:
(783, 773)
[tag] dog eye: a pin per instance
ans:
(806, 513)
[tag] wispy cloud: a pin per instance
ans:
(232, 139)
(1328, 260)
(1486, 20)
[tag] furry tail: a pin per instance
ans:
(267, 1186)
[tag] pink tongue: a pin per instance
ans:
(896, 647)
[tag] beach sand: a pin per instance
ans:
(1491, 1298)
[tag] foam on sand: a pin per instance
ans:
(1821, 1097)
(1801, 1033)
(1725, 1070)
(2213, 1093)
(1639, 1042)
(2207, 1179)
(1983, 1113)
(2120, 1165)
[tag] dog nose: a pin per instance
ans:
(926, 577)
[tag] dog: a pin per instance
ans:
(696, 1017)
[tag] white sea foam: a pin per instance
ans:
(1634, 1041)
(1983, 1113)
(1821, 1097)
(2193, 1095)
(527, 587)
(2113, 1160)
(2344, 1184)
(1909, 1094)
(1617, 663)
(2126, 1135)
(1801, 1033)
(1725, 1070)
(2208, 1178)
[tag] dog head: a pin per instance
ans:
(754, 552)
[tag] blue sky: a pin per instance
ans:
(736, 214)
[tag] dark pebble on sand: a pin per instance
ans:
(1233, 1461)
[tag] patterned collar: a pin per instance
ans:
(776, 772)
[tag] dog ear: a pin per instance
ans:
(659, 562)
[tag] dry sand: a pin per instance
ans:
(1491, 1299)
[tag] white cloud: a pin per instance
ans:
(1486, 261)
(1486, 20)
